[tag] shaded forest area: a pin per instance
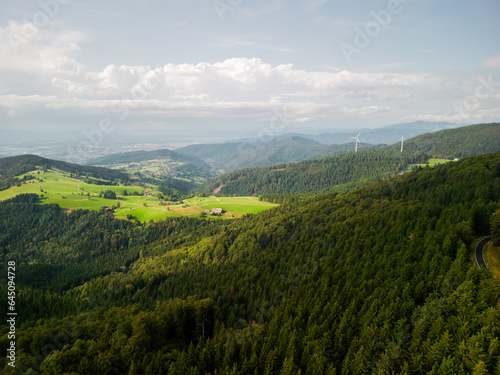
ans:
(378, 280)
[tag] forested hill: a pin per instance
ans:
(461, 142)
(313, 175)
(255, 153)
(358, 169)
(16, 165)
(378, 280)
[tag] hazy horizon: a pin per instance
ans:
(184, 70)
(80, 148)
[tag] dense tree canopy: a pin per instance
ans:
(378, 280)
(315, 175)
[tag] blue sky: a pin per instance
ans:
(228, 67)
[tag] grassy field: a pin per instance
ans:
(236, 206)
(69, 193)
(233, 207)
(431, 163)
(492, 257)
(438, 161)
(72, 194)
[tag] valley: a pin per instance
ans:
(358, 262)
(347, 276)
(250, 188)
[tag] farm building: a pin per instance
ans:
(216, 210)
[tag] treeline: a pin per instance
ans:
(379, 280)
(287, 198)
(175, 186)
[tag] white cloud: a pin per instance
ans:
(364, 111)
(47, 76)
(234, 87)
(39, 49)
(493, 62)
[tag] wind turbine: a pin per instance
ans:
(357, 141)
(402, 142)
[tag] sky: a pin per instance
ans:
(230, 68)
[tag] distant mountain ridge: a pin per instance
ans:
(356, 169)
(238, 155)
(294, 147)
(384, 135)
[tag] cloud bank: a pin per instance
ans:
(45, 75)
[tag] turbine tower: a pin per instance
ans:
(402, 142)
(357, 141)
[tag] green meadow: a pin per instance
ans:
(438, 161)
(72, 194)
(431, 163)
(231, 204)
(69, 193)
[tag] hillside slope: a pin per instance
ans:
(457, 143)
(16, 165)
(379, 280)
(357, 169)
